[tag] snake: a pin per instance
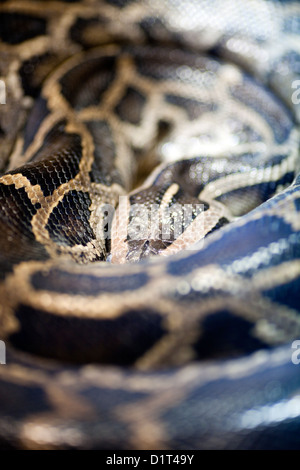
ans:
(118, 335)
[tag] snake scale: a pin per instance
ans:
(166, 103)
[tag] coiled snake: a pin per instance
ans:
(109, 346)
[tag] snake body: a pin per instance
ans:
(108, 345)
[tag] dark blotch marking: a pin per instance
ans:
(68, 224)
(119, 3)
(157, 64)
(36, 117)
(96, 74)
(297, 204)
(155, 67)
(81, 26)
(17, 209)
(249, 198)
(221, 223)
(192, 174)
(34, 70)
(193, 108)
(130, 108)
(103, 169)
(20, 401)
(231, 246)
(121, 340)
(18, 27)
(287, 294)
(155, 30)
(267, 105)
(65, 282)
(56, 162)
(224, 334)
(16, 238)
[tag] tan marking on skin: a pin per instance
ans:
(198, 229)
(169, 194)
(176, 344)
(40, 219)
(19, 181)
(119, 243)
(16, 157)
(8, 323)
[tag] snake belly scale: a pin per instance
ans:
(145, 342)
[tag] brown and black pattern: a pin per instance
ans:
(169, 205)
